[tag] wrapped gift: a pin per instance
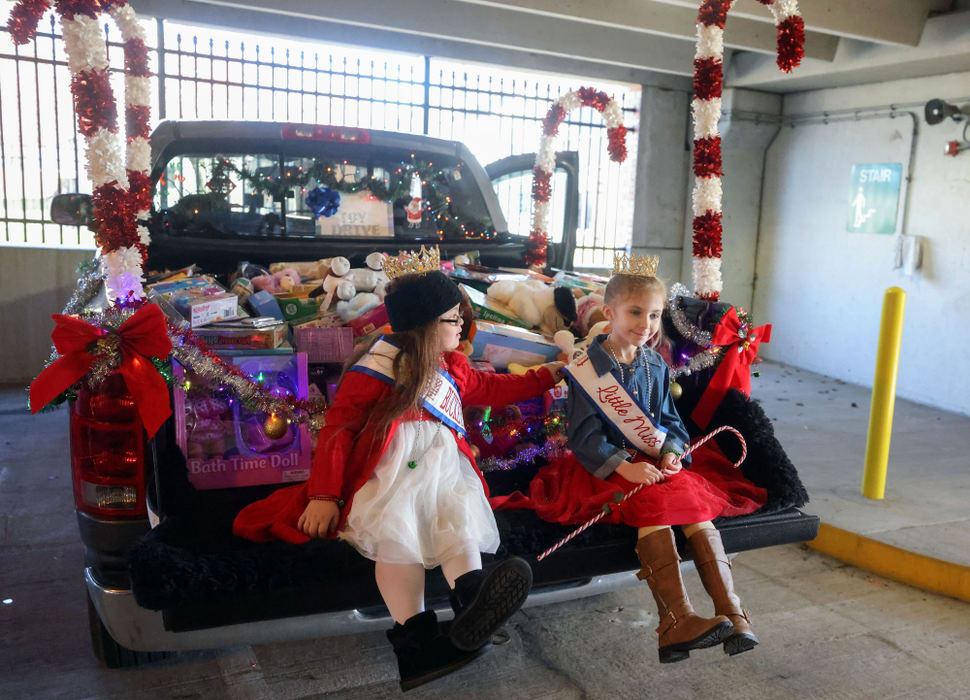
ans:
(225, 444)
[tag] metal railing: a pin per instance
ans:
(210, 73)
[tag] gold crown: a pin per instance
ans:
(635, 265)
(421, 262)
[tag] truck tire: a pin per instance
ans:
(112, 654)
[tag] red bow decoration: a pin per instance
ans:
(139, 338)
(740, 342)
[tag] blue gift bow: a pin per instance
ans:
(323, 201)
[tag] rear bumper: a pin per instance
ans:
(140, 629)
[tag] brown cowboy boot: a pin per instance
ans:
(680, 628)
(715, 569)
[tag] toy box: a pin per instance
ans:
(324, 344)
(265, 304)
(244, 333)
(369, 322)
(501, 344)
(225, 443)
(199, 300)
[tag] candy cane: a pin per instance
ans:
(122, 188)
(708, 84)
(606, 507)
(546, 158)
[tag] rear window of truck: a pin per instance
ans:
(258, 194)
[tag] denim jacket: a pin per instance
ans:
(600, 447)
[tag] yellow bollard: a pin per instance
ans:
(883, 393)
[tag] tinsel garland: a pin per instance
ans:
(117, 206)
(706, 107)
(24, 18)
(192, 353)
(703, 354)
(523, 456)
(545, 165)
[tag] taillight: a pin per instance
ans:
(107, 451)
(341, 134)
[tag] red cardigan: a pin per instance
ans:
(346, 455)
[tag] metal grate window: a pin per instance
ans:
(208, 73)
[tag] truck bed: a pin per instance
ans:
(193, 569)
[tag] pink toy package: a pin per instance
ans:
(226, 444)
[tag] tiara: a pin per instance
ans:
(641, 266)
(421, 262)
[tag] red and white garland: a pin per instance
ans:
(708, 85)
(546, 158)
(121, 183)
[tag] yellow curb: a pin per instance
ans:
(917, 570)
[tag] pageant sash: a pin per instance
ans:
(616, 405)
(442, 399)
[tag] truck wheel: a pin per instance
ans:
(112, 654)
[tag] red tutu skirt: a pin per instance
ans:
(564, 492)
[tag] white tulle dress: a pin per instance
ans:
(426, 514)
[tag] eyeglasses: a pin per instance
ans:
(453, 321)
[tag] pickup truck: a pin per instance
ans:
(164, 572)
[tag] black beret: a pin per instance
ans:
(416, 299)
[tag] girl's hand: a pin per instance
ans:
(639, 472)
(556, 369)
(319, 518)
(670, 464)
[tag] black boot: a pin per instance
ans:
(423, 653)
(482, 603)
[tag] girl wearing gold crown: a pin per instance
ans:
(394, 476)
(623, 429)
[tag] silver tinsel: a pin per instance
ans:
(249, 392)
(707, 355)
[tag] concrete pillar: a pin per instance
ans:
(663, 165)
(749, 123)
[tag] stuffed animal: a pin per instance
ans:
(567, 342)
(314, 270)
(278, 282)
(547, 308)
(589, 312)
(358, 305)
(354, 288)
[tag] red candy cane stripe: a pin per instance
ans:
(708, 87)
(633, 491)
(546, 158)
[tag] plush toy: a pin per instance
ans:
(536, 303)
(375, 262)
(354, 288)
(589, 312)
(278, 282)
(567, 342)
(358, 305)
(314, 269)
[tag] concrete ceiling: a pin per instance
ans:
(644, 41)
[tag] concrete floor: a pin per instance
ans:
(822, 424)
(827, 630)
